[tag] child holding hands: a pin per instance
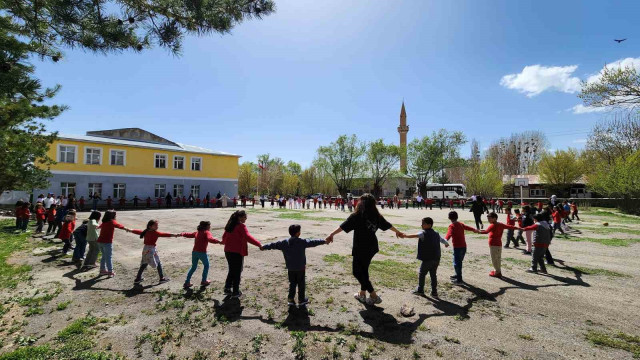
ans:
(429, 253)
(293, 250)
(150, 252)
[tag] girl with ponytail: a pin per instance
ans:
(235, 239)
(150, 255)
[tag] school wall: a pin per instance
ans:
(141, 161)
(141, 186)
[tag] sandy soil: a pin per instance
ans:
(522, 316)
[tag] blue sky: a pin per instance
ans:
(317, 69)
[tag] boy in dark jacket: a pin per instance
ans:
(429, 253)
(541, 240)
(295, 259)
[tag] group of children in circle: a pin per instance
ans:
(98, 236)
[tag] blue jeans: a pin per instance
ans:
(105, 260)
(458, 258)
(81, 246)
(195, 257)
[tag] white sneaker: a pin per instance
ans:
(372, 301)
(361, 298)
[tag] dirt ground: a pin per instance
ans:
(593, 289)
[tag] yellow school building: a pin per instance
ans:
(134, 162)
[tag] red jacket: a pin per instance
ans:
(151, 237)
(495, 233)
(51, 215)
(456, 234)
(236, 241)
(23, 213)
(67, 229)
(203, 238)
(557, 216)
(41, 214)
(106, 231)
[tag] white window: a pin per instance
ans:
(178, 162)
(95, 188)
(195, 191)
(67, 188)
(178, 190)
(119, 191)
(161, 161)
(67, 153)
(196, 163)
(118, 157)
(92, 156)
(537, 192)
(161, 190)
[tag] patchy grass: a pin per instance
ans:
(604, 230)
(618, 340)
(305, 216)
(613, 216)
(393, 274)
(63, 305)
(525, 337)
(335, 259)
(80, 327)
(595, 271)
(389, 249)
(11, 275)
(518, 261)
(603, 241)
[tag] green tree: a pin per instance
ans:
(40, 29)
(247, 178)
(23, 140)
(294, 168)
(430, 155)
(342, 161)
(616, 86)
(561, 168)
(482, 177)
(290, 184)
(381, 162)
(620, 179)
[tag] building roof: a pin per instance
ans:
(165, 145)
(533, 179)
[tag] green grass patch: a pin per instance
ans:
(389, 249)
(305, 216)
(596, 271)
(618, 340)
(83, 326)
(613, 216)
(11, 275)
(335, 259)
(393, 274)
(517, 261)
(603, 241)
(63, 305)
(604, 230)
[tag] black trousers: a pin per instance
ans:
(235, 262)
(296, 280)
(361, 264)
(478, 218)
(548, 257)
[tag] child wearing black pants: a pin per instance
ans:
(293, 250)
(429, 253)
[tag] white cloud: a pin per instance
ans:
(581, 109)
(534, 79)
(579, 141)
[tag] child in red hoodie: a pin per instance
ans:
(22, 216)
(149, 252)
(41, 215)
(68, 225)
(557, 215)
(235, 239)
(51, 219)
(199, 254)
(495, 230)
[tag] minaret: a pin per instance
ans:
(403, 129)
